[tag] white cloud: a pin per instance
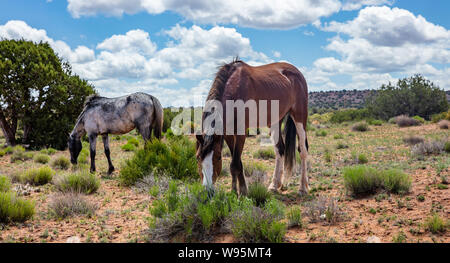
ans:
(134, 40)
(350, 5)
(16, 29)
(250, 13)
(131, 62)
(384, 26)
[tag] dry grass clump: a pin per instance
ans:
(428, 148)
(444, 124)
(413, 140)
(324, 209)
(405, 121)
(361, 127)
(70, 204)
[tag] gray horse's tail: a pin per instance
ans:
(159, 118)
(290, 138)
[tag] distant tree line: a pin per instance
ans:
(414, 96)
(40, 97)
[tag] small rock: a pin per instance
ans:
(373, 239)
(323, 216)
(73, 239)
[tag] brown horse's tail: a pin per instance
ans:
(290, 132)
(158, 118)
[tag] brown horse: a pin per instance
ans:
(284, 86)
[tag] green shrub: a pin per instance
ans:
(362, 180)
(80, 182)
(375, 122)
(419, 119)
(254, 169)
(294, 217)
(19, 154)
(341, 146)
(436, 225)
(362, 159)
(399, 238)
(41, 158)
(265, 154)
(338, 136)
(252, 224)
(258, 193)
(447, 147)
(5, 183)
(129, 147)
(190, 212)
(14, 209)
(327, 156)
(321, 133)
(9, 150)
(175, 158)
(37, 176)
(61, 162)
(396, 181)
(361, 127)
(83, 156)
(158, 208)
(2, 152)
(49, 151)
(133, 141)
(440, 116)
(70, 204)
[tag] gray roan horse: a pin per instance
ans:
(103, 116)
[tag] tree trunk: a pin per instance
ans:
(8, 131)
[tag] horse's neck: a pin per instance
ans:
(78, 130)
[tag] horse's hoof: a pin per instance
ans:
(110, 171)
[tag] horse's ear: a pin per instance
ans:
(200, 139)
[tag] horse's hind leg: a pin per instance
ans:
(92, 147)
(303, 149)
(277, 140)
(145, 131)
(108, 153)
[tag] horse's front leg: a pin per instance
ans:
(237, 168)
(230, 143)
(92, 148)
(108, 153)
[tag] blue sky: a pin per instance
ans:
(171, 48)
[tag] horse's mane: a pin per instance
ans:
(91, 100)
(222, 76)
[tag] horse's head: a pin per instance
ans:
(74, 148)
(209, 157)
